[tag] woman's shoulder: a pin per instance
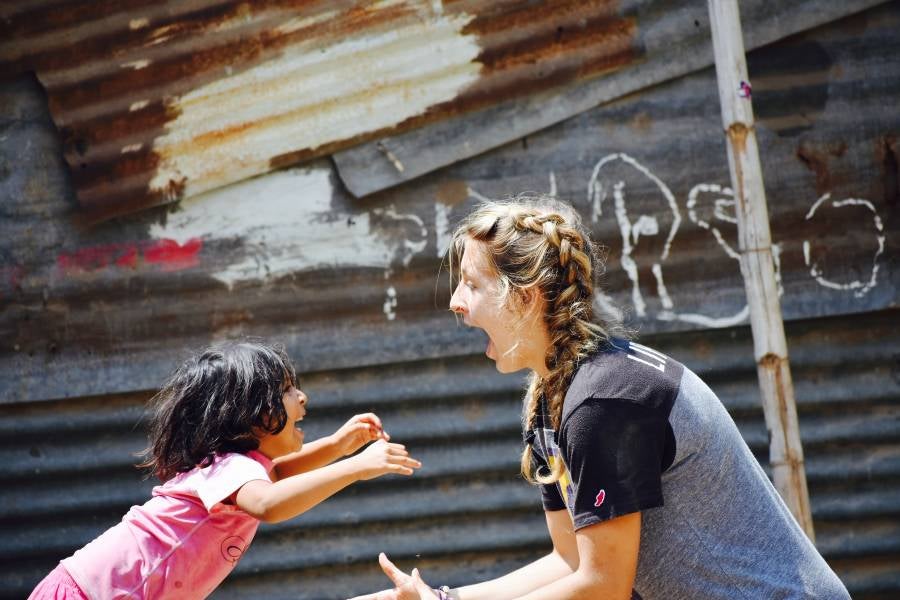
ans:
(623, 370)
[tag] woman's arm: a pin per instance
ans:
(608, 554)
(353, 435)
(561, 562)
(605, 566)
(294, 495)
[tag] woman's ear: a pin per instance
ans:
(531, 301)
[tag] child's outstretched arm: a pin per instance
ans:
(353, 435)
(291, 496)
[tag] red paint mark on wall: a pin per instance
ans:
(166, 255)
(172, 256)
(10, 278)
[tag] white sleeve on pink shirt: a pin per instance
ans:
(225, 476)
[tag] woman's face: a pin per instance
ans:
(517, 339)
(290, 438)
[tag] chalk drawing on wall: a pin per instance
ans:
(709, 206)
(723, 210)
(606, 181)
(860, 288)
(390, 303)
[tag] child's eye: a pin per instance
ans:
(470, 285)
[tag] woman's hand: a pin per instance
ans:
(408, 587)
(382, 458)
(357, 432)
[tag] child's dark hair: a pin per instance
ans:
(217, 402)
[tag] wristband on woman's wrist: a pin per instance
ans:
(443, 593)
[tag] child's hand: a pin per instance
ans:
(382, 458)
(359, 431)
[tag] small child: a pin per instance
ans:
(224, 441)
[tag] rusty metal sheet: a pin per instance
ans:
(675, 39)
(157, 102)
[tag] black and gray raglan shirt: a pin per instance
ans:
(640, 432)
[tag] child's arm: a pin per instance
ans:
(289, 497)
(353, 435)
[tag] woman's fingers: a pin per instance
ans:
(390, 569)
(424, 590)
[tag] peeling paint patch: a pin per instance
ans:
(137, 65)
(442, 228)
(304, 99)
(284, 223)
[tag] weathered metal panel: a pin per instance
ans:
(675, 39)
(163, 282)
(162, 101)
(92, 319)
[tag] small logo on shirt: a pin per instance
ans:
(232, 548)
(601, 496)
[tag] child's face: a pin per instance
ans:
(290, 438)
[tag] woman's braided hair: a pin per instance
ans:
(538, 243)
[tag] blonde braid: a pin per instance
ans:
(569, 319)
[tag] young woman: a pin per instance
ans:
(649, 489)
(224, 440)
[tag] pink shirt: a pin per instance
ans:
(181, 543)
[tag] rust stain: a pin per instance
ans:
(230, 318)
(452, 192)
(737, 134)
(816, 161)
(886, 150)
(642, 121)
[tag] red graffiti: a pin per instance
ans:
(10, 278)
(172, 256)
(166, 255)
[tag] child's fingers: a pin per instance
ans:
(369, 418)
(372, 425)
(409, 462)
(404, 466)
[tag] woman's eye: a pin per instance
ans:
(470, 285)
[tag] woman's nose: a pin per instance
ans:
(302, 398)
(456, 303)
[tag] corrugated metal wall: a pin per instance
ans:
(93, 318)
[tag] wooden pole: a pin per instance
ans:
(757, 266)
